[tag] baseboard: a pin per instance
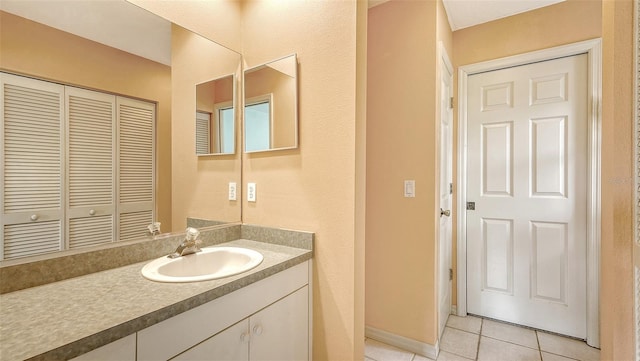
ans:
(454, 309)
(420, 348)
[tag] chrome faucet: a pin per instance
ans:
(189, 245)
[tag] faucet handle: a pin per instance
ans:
(192, 235)
(154, 228)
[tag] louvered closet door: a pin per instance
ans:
(32, 121)
(90, 167)
(136, 120)
(203, 122)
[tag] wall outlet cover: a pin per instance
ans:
(251, 192)
(232, 191)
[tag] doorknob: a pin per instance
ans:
(445, 213)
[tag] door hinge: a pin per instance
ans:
(450, 188)
(471, 206)
(450, 274)
(451, 103)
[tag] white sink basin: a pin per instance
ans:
(209, 264)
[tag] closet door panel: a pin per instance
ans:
(136, 123)
(91, 164)
(32, 166)
(29, 239)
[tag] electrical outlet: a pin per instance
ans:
(409, 188)
(232, 191)
(251, 192)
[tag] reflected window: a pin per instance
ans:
(258, 124)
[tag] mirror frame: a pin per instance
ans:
(296, 142)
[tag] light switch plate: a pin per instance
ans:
(409, 188)
(232, 191)
(251, 192)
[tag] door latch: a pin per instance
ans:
(471, 206)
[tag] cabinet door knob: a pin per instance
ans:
(244, 337)
(92, 212)
(257, 329)
(34, 217)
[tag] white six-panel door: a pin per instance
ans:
(527, 176)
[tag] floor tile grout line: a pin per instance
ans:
(512, 343)
(539, 348)
(460, 329)
(479, 339)
(563, 356)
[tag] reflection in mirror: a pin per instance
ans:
(201, 183)
(116, 48)
(215, 120)
(270, 111)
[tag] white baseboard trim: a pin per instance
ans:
(420, 348)
(454, 309)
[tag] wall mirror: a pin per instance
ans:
(119, 48)
(215, 116)
(270, 106)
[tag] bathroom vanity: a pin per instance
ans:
(268, 319)
(117, 314)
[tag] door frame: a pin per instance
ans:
(593, 49)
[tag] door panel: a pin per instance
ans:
(497, 257)
(527, 171)
(548, 157)
(497, 169)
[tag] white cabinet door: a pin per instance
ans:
(231, 344)
(123, 349)
(281, 331)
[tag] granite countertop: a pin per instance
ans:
(67, 318)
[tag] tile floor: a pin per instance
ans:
(473, 338)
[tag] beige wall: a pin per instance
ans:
(313, 187)
(616, 295)
(200, 184)
(33, 49)
(402, 142)
(564, 23)
(211, 93)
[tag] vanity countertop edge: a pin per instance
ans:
(65, 319)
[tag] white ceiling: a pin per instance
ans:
(115, 23)
(465, 13)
